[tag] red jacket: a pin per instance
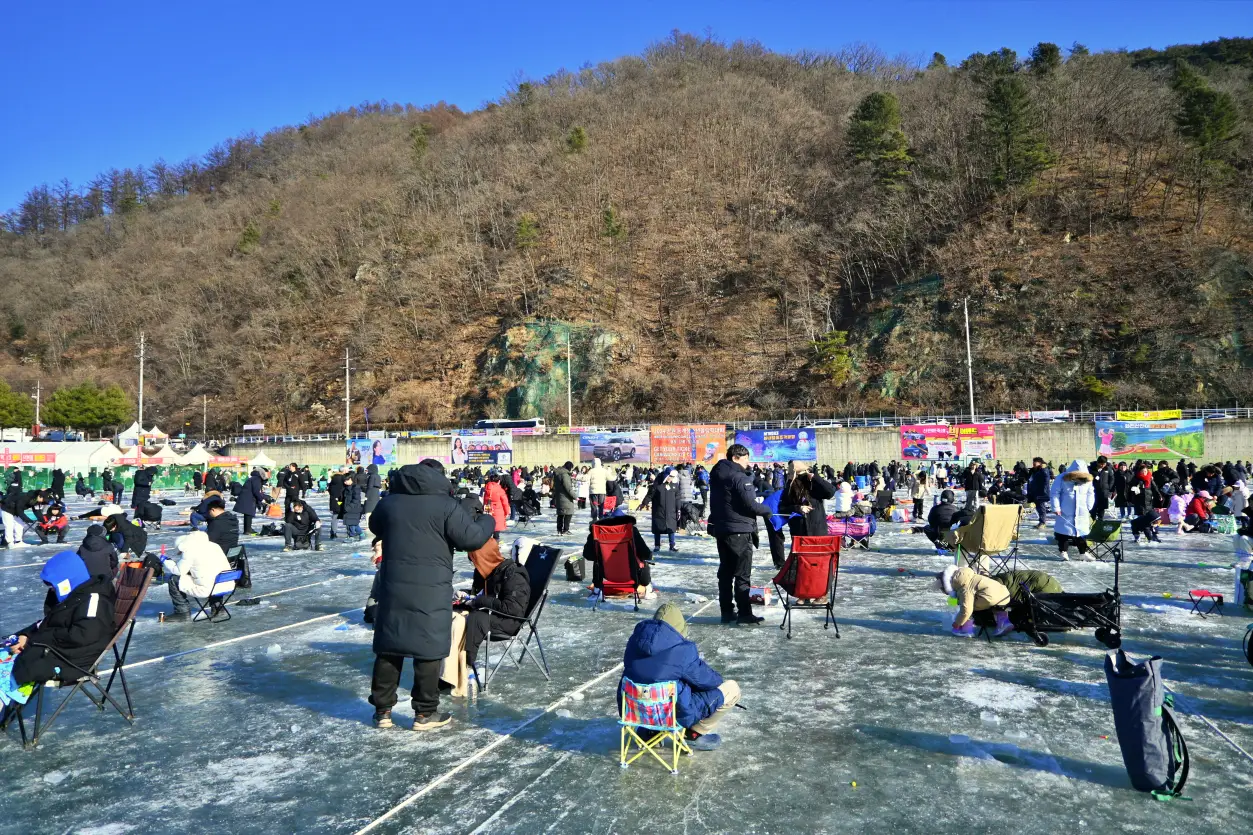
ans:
(496, 502)
(1198, 507)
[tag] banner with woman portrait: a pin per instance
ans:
(362, 452)
(481, 448)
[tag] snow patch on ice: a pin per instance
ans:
(998, 694)
(105, 829)
(56, 778)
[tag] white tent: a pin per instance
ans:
(262, 460)
(129, 437)
(70, 456)
(197, 456)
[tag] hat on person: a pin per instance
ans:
(947, 496)
(65, 572)
(110, 510)
(944, 580)
(670, 613)
(1204, 494)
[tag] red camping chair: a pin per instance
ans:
(810, 573)
(616, 548)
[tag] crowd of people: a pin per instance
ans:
(419, 515)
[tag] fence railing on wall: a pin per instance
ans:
(845, 422)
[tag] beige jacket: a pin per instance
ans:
(975, 592)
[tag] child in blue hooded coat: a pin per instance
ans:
(75, 631)
(659, 650)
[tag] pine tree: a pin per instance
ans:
(938, 61)
(1045, 58)
(577, 140)
(16, 408)
(1019, 150)
(875, 136)
(1207, 119)
(526, 234)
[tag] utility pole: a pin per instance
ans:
(970, 369)
(142, 345)
(38, 384)
(347, 396)
(204, 419)
(569, 386)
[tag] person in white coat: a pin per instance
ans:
(200, 563)
(597, 477)
(1072, 497)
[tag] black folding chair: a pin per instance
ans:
(237, 558)
(216, 601)
(132, 587)
(539, 568)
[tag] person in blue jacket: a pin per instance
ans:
(659, 650)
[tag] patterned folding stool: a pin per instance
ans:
(650, 707)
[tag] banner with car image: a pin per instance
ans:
(943, 442)
(612, 447)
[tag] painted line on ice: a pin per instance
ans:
(235, 640)
(483, 827)
(496, 743)
(23, 565)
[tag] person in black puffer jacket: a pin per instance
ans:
(127, 536)
(142, 493)
(420, 524)
(98, 553)
(733, 512)
(74, 632)
(506, 590)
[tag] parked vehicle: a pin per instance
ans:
(615, 449)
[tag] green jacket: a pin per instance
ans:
(1039, 582)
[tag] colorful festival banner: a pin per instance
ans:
(929, 442)
(1162, 414)
(18, 458)
(362, 452)
(1057, 414)
(1150, 439)
(610, 447)
(481, 448)
(770, 445)
(701, 444)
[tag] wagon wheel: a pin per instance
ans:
(1041, 639)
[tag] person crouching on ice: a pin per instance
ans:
(659, 650)
(974, 593)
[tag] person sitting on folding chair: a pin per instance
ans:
(71, 636)
(940, 519)
(641, 573)
(659, 650)
(302, 528)
(501, 587)
(98, 552)
(193, 575)
(975, 593)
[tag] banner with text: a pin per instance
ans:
(1150, 439)
(481, 448)
(1056, 414)
(362, 452)
(930, 442)
(769, 445)
(1162, 414)
(611, 447)
(701, 444)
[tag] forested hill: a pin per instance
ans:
(720, 230)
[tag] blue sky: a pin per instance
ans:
(92, 86)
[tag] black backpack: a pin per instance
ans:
(576, 569)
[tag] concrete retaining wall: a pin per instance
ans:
(1056, 442)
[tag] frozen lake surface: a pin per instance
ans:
(261, 724)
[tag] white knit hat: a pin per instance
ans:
(944, 580)
(110, 510)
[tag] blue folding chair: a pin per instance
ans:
(217, 600)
